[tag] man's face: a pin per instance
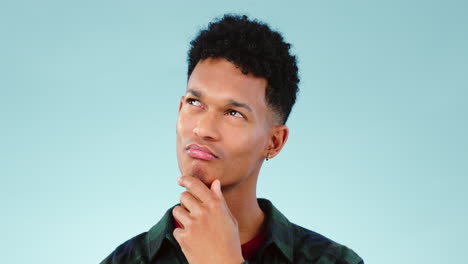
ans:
(224, 124)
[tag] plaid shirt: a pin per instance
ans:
(284, 242)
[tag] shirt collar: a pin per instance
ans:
(277, 228)
(277, 231)
(162, 230)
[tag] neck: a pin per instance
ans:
(242, 202)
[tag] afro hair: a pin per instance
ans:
(254, 48)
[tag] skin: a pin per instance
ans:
(225, 112)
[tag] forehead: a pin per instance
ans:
(219, 79)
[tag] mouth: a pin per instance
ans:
(198, 152)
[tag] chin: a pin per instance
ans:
(199, 171)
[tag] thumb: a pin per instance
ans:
(216, 188)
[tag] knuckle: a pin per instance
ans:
(216, 200)
(198, 213)
(177, 234)
(174, 210)
(177, 209)
(213, 204)
(188, 225)
(183, 196)
(188, 184)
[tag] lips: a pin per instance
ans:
(199, 152)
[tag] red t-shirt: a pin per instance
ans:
(249, 247)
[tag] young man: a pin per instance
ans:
(242, 84)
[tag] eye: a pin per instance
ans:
(193, 102)
(234, 113)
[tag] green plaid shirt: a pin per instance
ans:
(284, 242)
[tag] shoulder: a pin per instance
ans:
(131, 251)
(312, 247)
(301, 245)
(144, 246)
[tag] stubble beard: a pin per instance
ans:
(196, 171)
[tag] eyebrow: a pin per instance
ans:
(194, 92)
(239, 104)
(231, 102)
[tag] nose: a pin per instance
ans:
(206, 127)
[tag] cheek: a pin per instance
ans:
(247, 144)
(182, 132)
(183, 125)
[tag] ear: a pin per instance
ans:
(278, 138)
(181, 102)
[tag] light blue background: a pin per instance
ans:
(377, 158)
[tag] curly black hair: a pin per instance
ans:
(254, 48)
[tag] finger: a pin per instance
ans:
(196, 187)
(216, 189)
(181, 215)
(178, 234)
(190, 202)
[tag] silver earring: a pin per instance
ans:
(268, 156)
